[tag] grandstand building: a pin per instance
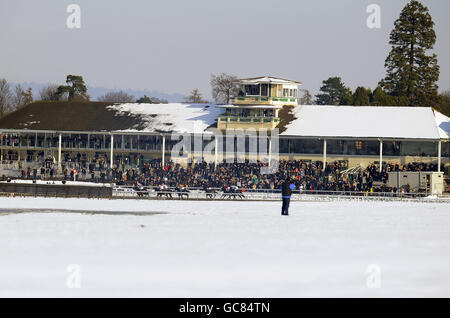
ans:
(258, 103)
(69, 131)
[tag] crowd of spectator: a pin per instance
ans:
(308, 175)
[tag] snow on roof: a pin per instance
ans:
(443, 124)
(364, 122)
(267, 79)
(173, 117)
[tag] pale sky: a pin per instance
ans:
(174, 45)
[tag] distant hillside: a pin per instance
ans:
(97, 91)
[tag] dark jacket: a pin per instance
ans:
(286, 189)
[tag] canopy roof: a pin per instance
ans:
(267, 80)
(99, 116)
(300, 121)
(364, 122)
(443, 123)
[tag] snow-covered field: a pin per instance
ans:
(223, 249)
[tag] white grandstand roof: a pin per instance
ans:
(173, 117)
(443, 123)
(364, 122)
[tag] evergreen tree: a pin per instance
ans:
(443, 105)
(151, 100)
(381, 98)
(411, 73)
(76, 88)
(334, 92)
(144, 100)
(401, 101)
(361, 97)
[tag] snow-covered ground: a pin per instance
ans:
(223, 249)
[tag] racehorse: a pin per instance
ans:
(182, 192)
(232, 192)
(141, 191)
(210, 193)
(164, 191)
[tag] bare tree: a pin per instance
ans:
(21, 97)
(224, 87)
(50, 92)
(306, 98)
(195, 97)
(5, 97)
(446, 93)
(18, 96)
(28, 96)
(117, 97)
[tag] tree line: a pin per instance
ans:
(13, 98)
(411, 77)
(411, 71)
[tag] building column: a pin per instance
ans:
(324, 154)
(270, 151)
(439, 156)
(163, 150)
(59, 149)
(216, 150)
(381, 155)
(112, 152)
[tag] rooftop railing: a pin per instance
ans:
(263, 99)
(247, 119)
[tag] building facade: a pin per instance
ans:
(133, 133)
(258, 103)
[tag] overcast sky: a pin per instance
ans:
(174, 45)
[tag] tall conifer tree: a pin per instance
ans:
(411, 72)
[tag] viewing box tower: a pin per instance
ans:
(258, 102)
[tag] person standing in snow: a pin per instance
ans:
(286, 191)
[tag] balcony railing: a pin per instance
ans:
(247, 120)
(263, 100)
